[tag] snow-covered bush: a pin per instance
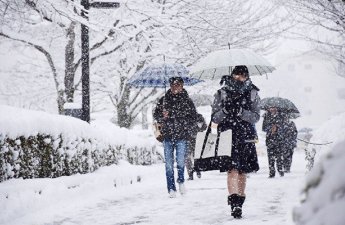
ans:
(37, 144)
(324, 192)
(330, 133)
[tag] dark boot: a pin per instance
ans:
(236, 201)
(198, 174)
(230, 199)
(272, 174)
(190, 176)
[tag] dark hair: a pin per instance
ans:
(174, 80)
(240, 70)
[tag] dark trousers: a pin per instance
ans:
(189, 160)
(275, 156)
(288, 153)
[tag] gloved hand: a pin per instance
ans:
(232, 108)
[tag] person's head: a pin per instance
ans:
(176, 84)
(240, 73)
(273, 110)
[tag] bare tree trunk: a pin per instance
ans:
(60, 96)
(144, 114)
(60, 101)
(124, 119)
(69, 63)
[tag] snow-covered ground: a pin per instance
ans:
(128, 194)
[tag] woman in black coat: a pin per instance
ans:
(236, 107)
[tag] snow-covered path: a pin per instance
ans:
(95, 201)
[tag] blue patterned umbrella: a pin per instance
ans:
(158, 76)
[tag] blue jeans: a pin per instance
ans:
(181, 147)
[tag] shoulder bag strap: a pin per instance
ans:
(208, 131)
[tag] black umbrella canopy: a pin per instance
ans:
(293, 115)
(282, 104)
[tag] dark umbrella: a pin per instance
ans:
(282, 104)
(293, 115)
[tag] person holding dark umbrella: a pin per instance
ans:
(289, 143)
(273, 125)
(175, 112)
(281, 133)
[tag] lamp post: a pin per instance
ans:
(85, 54)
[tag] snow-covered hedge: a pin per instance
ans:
(37, 144)
(324, 192)
(332, 131)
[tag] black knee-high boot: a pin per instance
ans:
(230, 200)
(236, 201)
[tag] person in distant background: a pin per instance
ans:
(174, 113)
(273, 125)
(198, 126)
(289, 143)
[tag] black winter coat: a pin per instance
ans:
(182, 115)
(238, 110)
(242, 130)
(290, 135)
(274, 139)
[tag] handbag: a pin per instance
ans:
(213, 151)
(157, 132)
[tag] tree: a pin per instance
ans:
(137, 34)
(248, 24)
(322, 23)
(117, 36)
(183, 31)
(23, 20)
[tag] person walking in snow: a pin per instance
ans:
(198, 126)
(236, 107)
(289, 143)
(175, 112)
(273, 125)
